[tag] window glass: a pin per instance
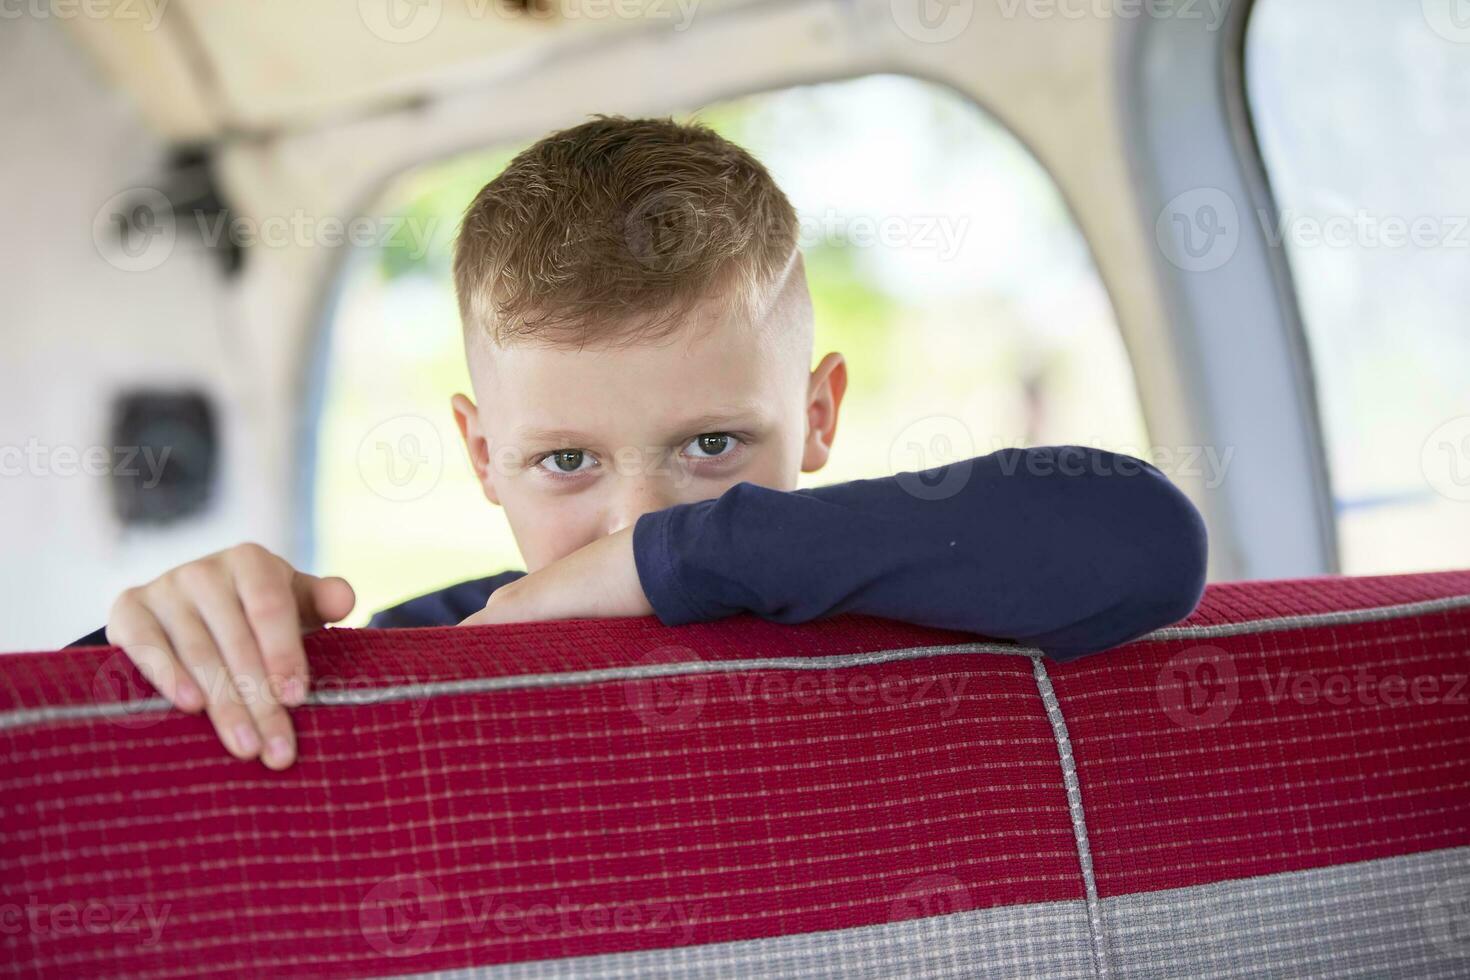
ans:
(1359, 106)
(943, 265)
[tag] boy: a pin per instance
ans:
(639, 335)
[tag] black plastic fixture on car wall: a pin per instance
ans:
(165, 456)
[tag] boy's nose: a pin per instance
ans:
(642, 495)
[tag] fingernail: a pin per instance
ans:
(189, 697)
(280, 749)
(294, 693)
(246, 738)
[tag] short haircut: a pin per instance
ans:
(611, 230)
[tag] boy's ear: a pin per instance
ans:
(475, 443)
(824, 400)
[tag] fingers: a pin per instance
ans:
(134, 628)
(481, 618)
(223, 614)
(194, 646)
(322, 600)
(271, 605)
(502, 607)
(223, 634)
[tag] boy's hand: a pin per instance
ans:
(224, 634)
(595, 581)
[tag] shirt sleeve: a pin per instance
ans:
(446, 607)
(96, 638)
(1069, 549)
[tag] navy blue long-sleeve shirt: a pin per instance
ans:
(1069, 549)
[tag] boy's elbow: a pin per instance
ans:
(1172, 598)
(1172, 557)
(1150, 569)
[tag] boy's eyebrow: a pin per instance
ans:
(706, 422)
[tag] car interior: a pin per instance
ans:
(1228, 238)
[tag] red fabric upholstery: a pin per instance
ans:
(532, 792)
(1206, 759)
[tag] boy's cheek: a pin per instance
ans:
(545, 531)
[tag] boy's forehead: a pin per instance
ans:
(707, 370)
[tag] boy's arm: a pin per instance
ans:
(1069, 549)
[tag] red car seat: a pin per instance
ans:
(1278, 786)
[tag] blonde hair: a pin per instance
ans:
(612, 230)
